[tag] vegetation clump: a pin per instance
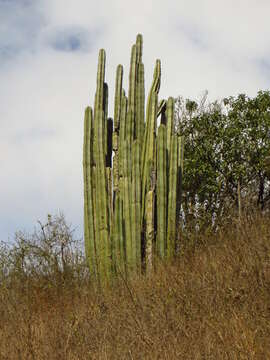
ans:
(211, 301)
(132, 174)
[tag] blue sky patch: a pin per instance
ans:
(21, 23)
(70, 39)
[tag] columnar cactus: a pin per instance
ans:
(161, 192)
(132, 174)
(172, 197)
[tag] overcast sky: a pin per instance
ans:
(48, 59)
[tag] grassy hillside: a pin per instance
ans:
(213, 302)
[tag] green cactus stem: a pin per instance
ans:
(127, 208)
(89, 230)
(161, 192)
(118, 248)
(132, 174)
(136, 203)
(170, 123)
(172, 198)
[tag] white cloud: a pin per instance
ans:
(50, 74)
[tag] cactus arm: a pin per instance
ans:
(136, 203)
(154, 88)
(99, 99)
(140, 92)
(131, 96)
(161, 192)
(102, 201)
(170, 123)
(99, 96)
(89, 231)
(117, 115)
(172, 198)
(122, 134)
(118, 96)
(140, 100)
(127, 207)
(117, 236)
(150, 148)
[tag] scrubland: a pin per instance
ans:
(211, 302)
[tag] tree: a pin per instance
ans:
(227, 148)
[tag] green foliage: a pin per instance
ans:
(226, 144)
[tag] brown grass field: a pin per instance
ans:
(212, 302)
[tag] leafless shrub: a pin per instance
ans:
(51, 254)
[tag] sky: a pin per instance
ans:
(48, 60)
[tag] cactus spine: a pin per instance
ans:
(132, 174)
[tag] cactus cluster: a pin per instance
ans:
(132, 174)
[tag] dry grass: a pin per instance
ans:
(212, 303)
